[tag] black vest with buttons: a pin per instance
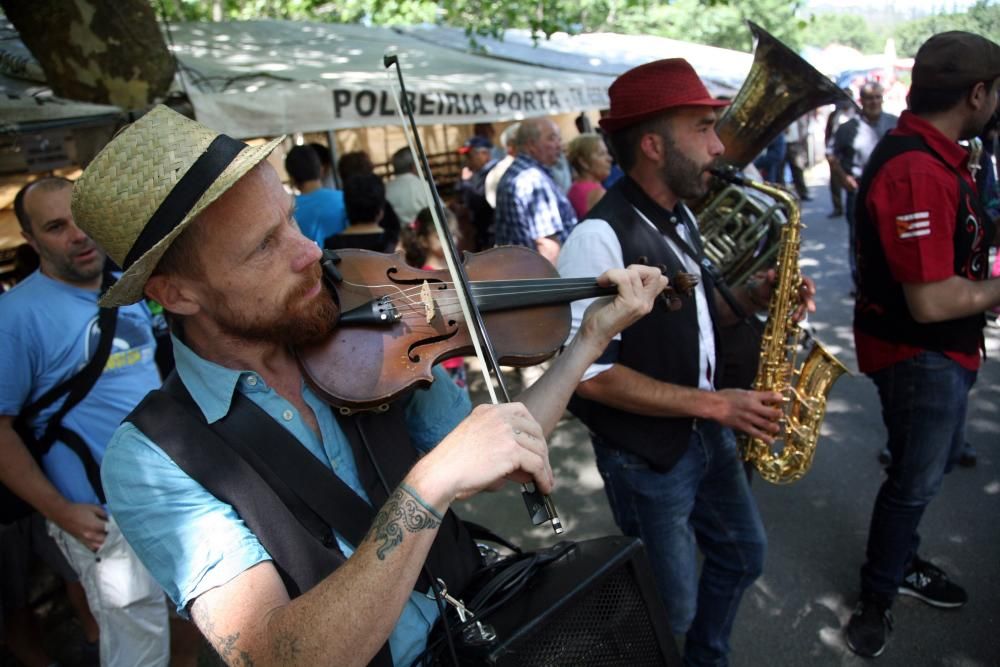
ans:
(662, 345)
(881, 309)
(280, 507)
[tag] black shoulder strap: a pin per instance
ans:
(77, 387)
(695, 250)
(277, 455)
(83, 380)
(322, 502)
(887, 148)
(656, 214)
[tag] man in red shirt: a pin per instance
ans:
(923, 284)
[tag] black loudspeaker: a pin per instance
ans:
(596, 606)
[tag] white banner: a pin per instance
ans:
(263, 78)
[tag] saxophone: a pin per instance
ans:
(803, 389)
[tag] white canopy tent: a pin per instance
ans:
(722, 70)
(263, 78)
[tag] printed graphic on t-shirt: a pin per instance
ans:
(131, 345)
(976, 267)
(913, 225)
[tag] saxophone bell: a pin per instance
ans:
(803, 387)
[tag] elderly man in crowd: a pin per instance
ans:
(532, 210)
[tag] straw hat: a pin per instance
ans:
(146, 186)
(649, 90)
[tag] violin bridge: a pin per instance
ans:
(428, 301)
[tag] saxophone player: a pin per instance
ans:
(923, 269)
(662, 434)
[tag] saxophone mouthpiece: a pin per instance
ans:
(729, 174)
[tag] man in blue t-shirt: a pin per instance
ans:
(48, 332)
(319, 211)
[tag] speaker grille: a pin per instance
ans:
(608, 626)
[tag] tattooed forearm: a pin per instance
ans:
(401, 514)
(228, 651)
(225, 646)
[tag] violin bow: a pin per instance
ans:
(540, 507)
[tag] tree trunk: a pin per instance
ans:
(101, 51)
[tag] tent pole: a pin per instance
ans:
(331, 140)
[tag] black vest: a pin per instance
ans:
(662, 345)
(881, 310)
(292, 513)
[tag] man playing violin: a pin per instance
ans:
(660, 428)
(202, 224)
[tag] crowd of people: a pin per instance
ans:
(147, 485)
(510, 195)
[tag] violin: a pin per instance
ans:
(396, 321)
(408, 319)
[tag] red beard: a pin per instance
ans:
(298, 322)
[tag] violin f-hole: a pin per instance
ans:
(413, 354)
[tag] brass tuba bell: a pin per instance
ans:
(748, 225)
(740, 229)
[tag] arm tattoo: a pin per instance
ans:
(224, 645)
(401, 514)
(286, 648)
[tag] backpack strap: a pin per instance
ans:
(77, 387)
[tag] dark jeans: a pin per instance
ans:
(924, 402)
(702, 502)
(849, 204)
(795, 158)
(837, 190)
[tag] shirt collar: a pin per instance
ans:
(650, 207)
(954, 154)
(210, 385)
(532, 162)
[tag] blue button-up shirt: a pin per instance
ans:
(530, 205)
(192, 542)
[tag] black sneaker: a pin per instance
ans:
(925, 581)
(868, 630)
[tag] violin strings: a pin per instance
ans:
(540, 283)
(493, 295)
(414, 308)
(446, 309)
(441, 302)
(485, 286)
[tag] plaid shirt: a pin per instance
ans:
(530, 205)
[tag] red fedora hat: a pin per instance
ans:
(650, 89)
